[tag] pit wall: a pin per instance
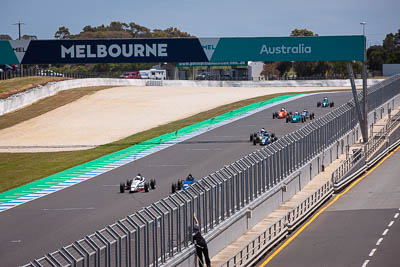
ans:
(244, 220)
(30, 96)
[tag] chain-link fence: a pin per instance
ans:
(10, 74)
(156, 233)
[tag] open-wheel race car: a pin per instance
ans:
(263, 138)
(283, 113)
(183, 184)
(137, 184)
(325, 103)
(307, 115)
(295, 118)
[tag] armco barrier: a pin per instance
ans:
(161, 233)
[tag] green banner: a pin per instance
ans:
(315, 48)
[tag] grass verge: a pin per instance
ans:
(21, 168)
(17, 85)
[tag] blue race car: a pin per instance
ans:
(295, 118)
(256, 137)
(325, 103)
(267, 139)
(183, 184)
(307, 115)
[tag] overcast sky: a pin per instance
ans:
(206, 18)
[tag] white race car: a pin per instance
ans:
(137, 184)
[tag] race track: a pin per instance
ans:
(46, 224)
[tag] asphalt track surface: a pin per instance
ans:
(46, 224)
(362, 228)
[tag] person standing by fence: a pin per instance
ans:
(200, 244)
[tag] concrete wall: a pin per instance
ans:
(279, 83)
(390, 69)
(28, 97)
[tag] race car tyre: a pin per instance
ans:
(146, 187)
(122, 188)
(291, 113)
(272, 135)
(275, 138)
(173, 188)
(318, 104)
(287, 119)
(251, 137)
(254, 142)
(179, 185)
(331, 104)
(153, 184)
(273, 115)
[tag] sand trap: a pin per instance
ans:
(115, 113)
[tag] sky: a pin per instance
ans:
(206, 18)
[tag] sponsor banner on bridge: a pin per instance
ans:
(324, 48)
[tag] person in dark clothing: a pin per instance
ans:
(200, 244)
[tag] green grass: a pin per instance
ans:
(21, 168)
(16, 85)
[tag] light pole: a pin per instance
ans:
(364, 78)
(363, 23)
(19, 28)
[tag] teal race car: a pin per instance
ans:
(295, 118)
(325, 103)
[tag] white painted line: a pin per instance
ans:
(396, 215)
(110, 184)
(204, 149)
(379, 241)
(365, 263)
(68, 209)
(15, 241)
(391, 223)
(372, 252)
(385, 232)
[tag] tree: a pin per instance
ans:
(29, 37)
(5, 37)
(62, 33)
(302, 32)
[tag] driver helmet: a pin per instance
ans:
(325, 98)
(262, 130)
(305, 110)
(282, 109)
(296, 113)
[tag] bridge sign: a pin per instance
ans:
(315, 48)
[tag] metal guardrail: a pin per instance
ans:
(156, 233)
(369, 148)
(154, 82)
(259, 244)
(279, 229)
